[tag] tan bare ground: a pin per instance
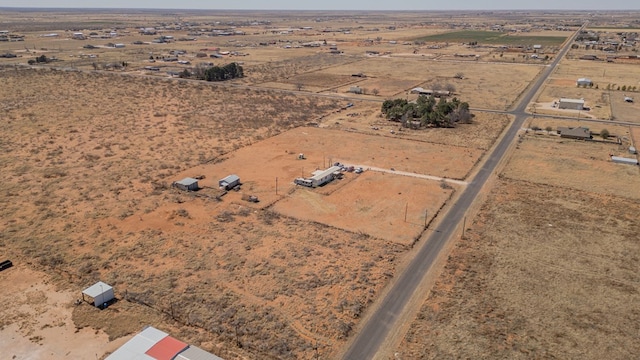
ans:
(544, 272)
(635, 137)
(366, 118)
(606, 97)
(602, 73)
(89, 200)
(385, 87)
(480, 86)
(548, 160)
(277, 157)
(372, 203)
(36, 320)
(596, 100)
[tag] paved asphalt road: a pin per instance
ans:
(377, 328)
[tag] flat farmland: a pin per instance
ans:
(494, 37)
(485, 85)
(373, 204)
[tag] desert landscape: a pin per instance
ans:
(103, 113)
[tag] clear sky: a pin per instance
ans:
(335, 4)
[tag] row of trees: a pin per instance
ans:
(215, 73)
(427, 112)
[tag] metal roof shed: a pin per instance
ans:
(187, 184)
(229, 182)
(135, 348)
(195, 353)
(99, 292)
(166, 349)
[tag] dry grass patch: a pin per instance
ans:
(566, 163)
(544, 273)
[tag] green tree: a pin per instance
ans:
(604, 134)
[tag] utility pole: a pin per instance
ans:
(406, 207)
(426, 216)
(276, 186)
(464, 225)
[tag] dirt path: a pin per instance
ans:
(410, 174)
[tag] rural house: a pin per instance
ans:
(579, 133)
(320, 177)
(573, 104)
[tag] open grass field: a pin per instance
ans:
(494, 38)
(544, 272)
(547, 160)
(548, 267)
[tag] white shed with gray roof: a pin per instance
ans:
(229, 182)
(187, 184)
(99, 292)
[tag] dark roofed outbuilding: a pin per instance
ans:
(579, 133)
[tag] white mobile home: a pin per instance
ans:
(322, 177)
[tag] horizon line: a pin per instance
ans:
(30, 8)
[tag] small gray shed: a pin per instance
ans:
(229, 182)
(187, 184)
(99, 292)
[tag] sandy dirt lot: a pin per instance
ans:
(372, 203)
(36, 320)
